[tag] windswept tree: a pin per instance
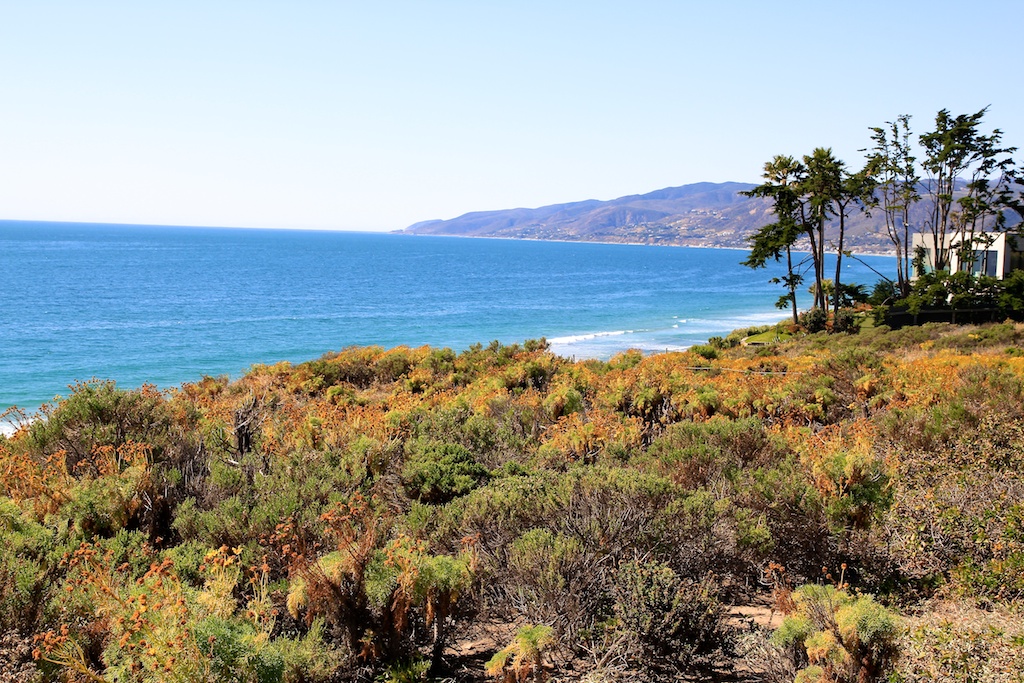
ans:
(954, 149)
(821, 185)
(855, 189)
(893, 168)
(783, 175)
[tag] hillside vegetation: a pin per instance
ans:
(841, 507)
(695, 215)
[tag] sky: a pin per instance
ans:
(376, 115)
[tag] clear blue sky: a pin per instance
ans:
(374, 115)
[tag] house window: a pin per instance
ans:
(1016, 260)
(982, 263)
(923, 265)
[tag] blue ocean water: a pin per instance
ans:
(166, 305)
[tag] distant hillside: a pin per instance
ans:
(698, 215)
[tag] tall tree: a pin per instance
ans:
(989, 192)
(855, 190)
(783, 175)
(893, 167)
(821, 185)
(954, 148)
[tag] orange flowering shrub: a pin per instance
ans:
(346, 518)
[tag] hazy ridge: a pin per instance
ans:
(695, 215)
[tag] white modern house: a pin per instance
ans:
(995, 253)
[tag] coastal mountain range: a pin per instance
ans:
(696, 215)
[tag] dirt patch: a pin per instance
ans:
(762, 615)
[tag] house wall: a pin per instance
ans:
(1007, 256)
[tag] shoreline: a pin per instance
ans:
(890, 254)
(561, 346)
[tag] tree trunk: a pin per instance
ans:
(792, 286)
(839, 260)
(817, 266)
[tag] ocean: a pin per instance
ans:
(166, 305)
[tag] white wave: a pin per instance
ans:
(576, 338)
(680, 336)
(727, 323)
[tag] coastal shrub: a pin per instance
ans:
(782, 493)
(677, 624)
(698, 454)
(436, 473)
(97, 413)
(615, 510)
(225, 523)
(532, 373)
(835, 636)
(440, 361)
(961, 642)
(406, 671)
(978, 337)
(523, 658)
(393, 365)
(102, 506)
(502, 510)
(563, 401)
(698, 528)
(625, 360)
(383, 596)
(533, 345)
(705, 351)
(813, 320)
(851, 477)
(957, 511)
(22, 588)
(844, 321)
(354, 365)
(156, 628)
(307, 658)
(718, 342)
(598, 502)
(552, 578)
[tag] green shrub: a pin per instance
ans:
(678, 624)
(705, 351)
(97, 413)
(968, 644)
(524, 656)
(393, 365)
(563, 401)
(813, 320)
(836, 636)
(625, 360)
(409, 671)
(552, 579)
(718, 343)
(440, 361)
(22, 587)
(844, 321)
(307, 659)
(442, 472)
